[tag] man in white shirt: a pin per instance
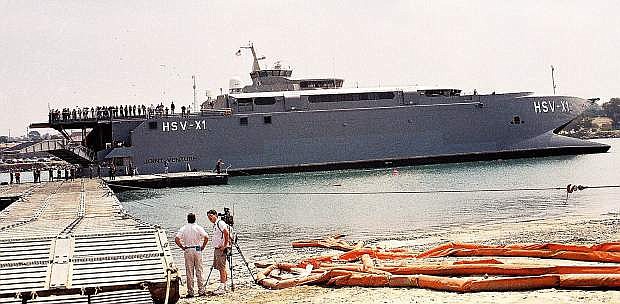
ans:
(221, 243)
(193, 240)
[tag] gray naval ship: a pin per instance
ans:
(280, 124)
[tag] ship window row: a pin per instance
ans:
(351, 97)
(440, 92)
(266, 73)
(260, 101)
(324, 84)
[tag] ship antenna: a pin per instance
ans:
(553, 78)
(194, 78)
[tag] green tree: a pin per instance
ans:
(34, 135)
(612, 110)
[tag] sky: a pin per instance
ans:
(86, 53)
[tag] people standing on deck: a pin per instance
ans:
(192, 239)
(50, 174)
(221, 244)
(11, 177)
(66, 173)
(58, 174)
(172, 107)
(72, 170)
(112, 171)
(131, 169)
(18, 177)
(218, 166)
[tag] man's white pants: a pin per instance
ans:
(193, 261)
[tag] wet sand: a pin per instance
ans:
(575, 230)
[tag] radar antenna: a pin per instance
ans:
(194, 86)
(553, 78)
(255, 65)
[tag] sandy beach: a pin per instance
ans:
(576, 230)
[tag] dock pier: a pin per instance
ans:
(167, 180)
(71, 242)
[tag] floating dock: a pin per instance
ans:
(71, 242)
(167, 180)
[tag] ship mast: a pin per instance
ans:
(255, 65)
(553, 79)
(194, 78)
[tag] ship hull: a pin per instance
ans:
(423, 160)
(396, 133)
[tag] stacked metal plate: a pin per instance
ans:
(71, 242)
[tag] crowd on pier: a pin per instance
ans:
(66, 172)
(111, 112)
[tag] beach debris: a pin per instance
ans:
(400, 267)
(331, 242)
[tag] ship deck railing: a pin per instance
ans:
(156, 114)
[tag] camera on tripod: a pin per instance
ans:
(227, 217)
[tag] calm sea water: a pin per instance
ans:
(266, 223)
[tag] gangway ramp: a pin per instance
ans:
(68, 151)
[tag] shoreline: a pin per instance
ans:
(568, 229)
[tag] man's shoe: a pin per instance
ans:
(220, 291)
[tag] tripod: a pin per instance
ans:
(229, 259)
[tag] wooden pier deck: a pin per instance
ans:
(166, 180)
(71, 242)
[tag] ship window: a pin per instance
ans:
(263, 101)
(244, 100)
(262, 73)
(386, 95)
(516, 120)
(351, 97)
(267, 119)
(152, 125)
(243, 121)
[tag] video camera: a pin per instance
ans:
(227, 217)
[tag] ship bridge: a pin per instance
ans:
(278, 78)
